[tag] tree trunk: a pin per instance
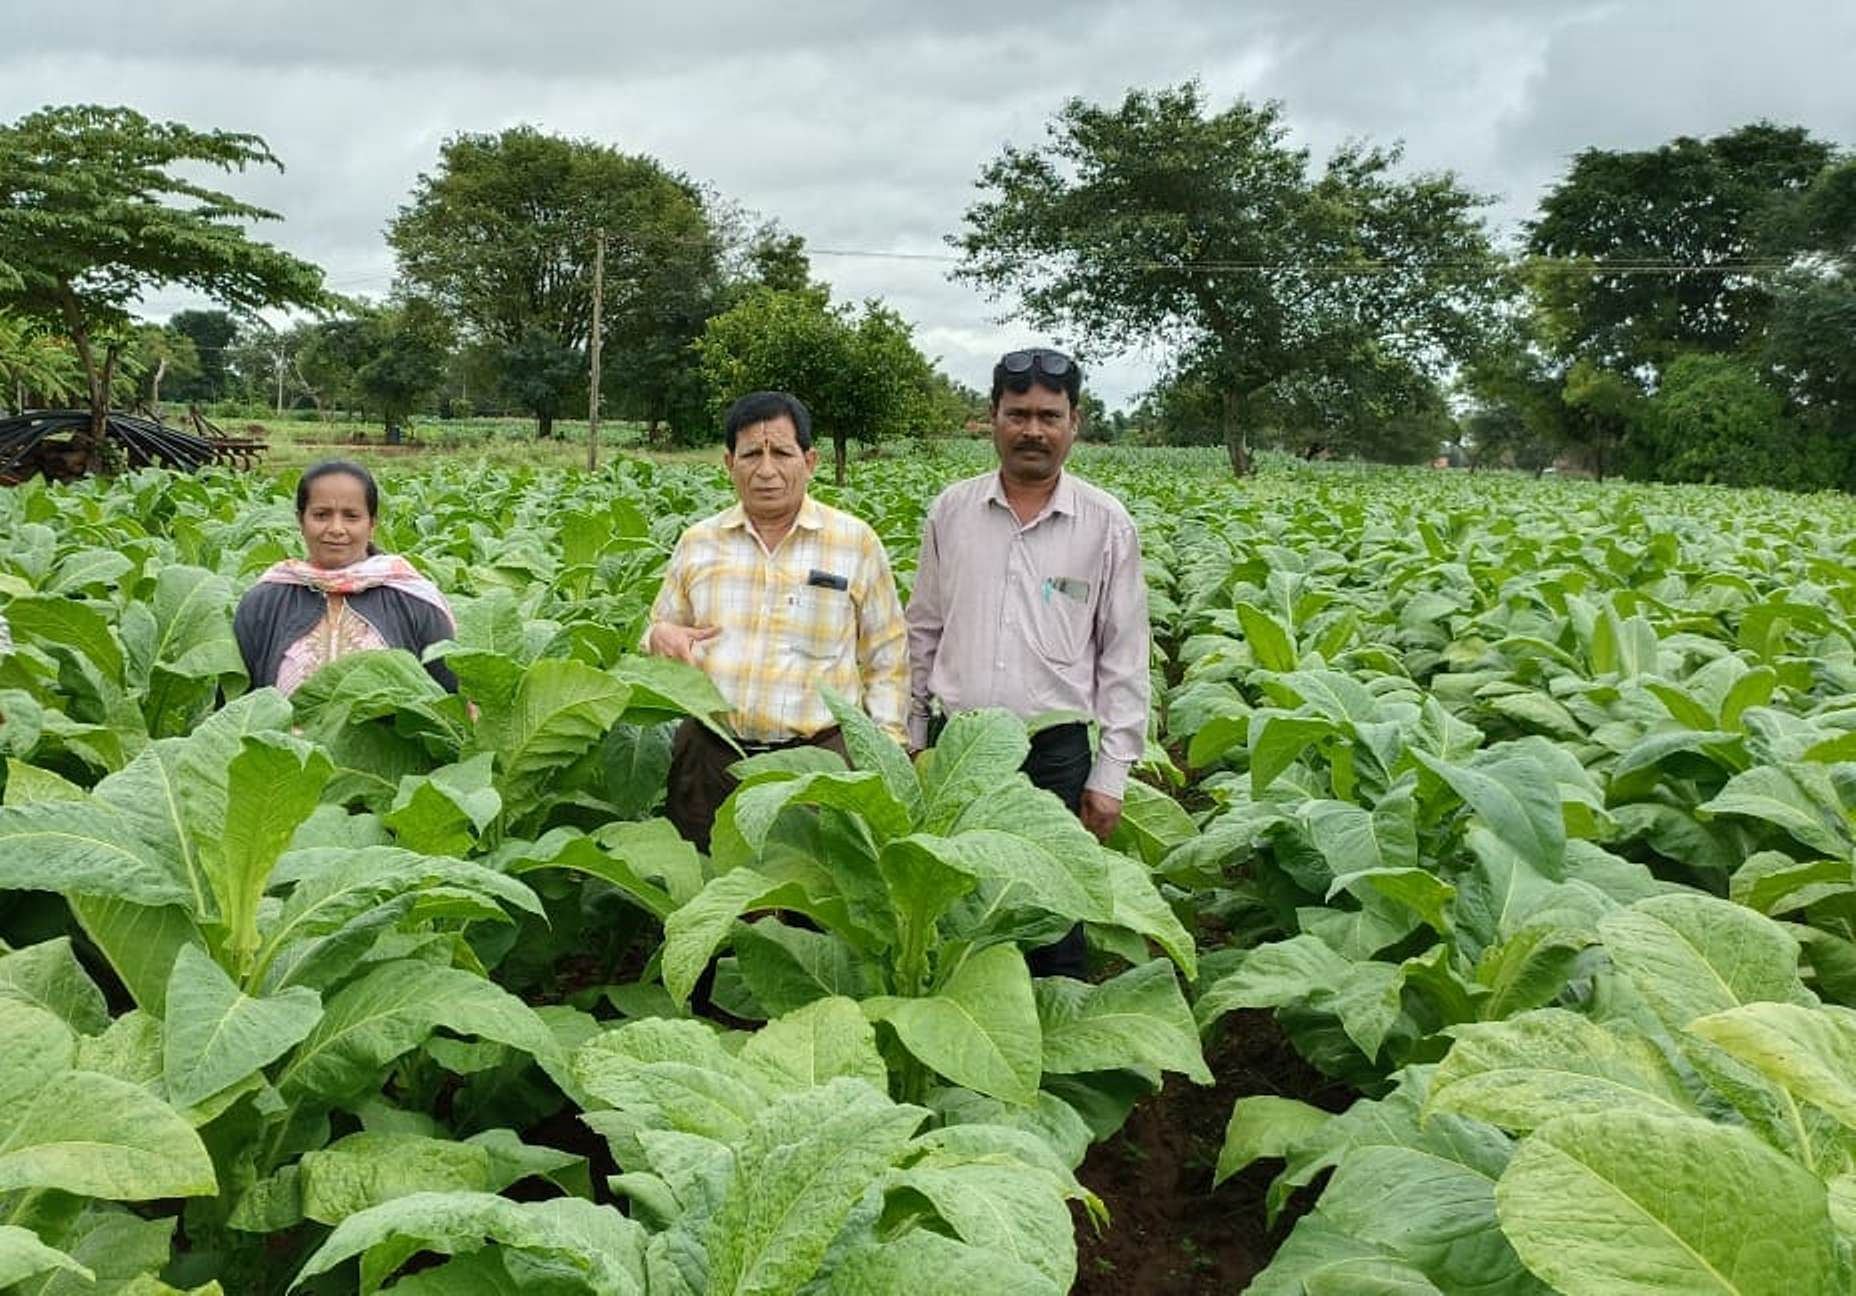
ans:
(154, 398)
(544, 427)
(1236, 437)
(838, 453)
(91, 443)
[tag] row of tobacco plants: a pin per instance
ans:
(1523, 806)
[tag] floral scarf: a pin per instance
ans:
(372, 572)
(340, 632)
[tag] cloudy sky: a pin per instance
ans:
(863, 126)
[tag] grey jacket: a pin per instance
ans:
(272, 617)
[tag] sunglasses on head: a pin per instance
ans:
(1054, 363)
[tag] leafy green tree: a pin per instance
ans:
(410, 348)
(1708, 204)
(1605, 409)
(212, 333)
(539, 374)
(861, 376)
(162, 352)
(1166, 222)
(503, 232)
(95, 210)
(35, 362)
(1714, 419)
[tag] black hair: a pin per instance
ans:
(763, 407)
(1069, 382)
(370, 489)
(330, 468)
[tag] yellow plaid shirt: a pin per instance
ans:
(785, 629)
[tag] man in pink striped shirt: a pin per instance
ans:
(1029, 596)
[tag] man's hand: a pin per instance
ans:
(1101, 813)
(679, 642)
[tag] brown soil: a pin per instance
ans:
(1170, 1234)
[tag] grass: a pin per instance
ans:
(295, 443)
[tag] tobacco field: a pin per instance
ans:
(1522, 808)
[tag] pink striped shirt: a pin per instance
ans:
(1046, 616)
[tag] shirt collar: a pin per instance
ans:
(1062, 500)
(811, 516)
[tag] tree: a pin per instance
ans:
(212, 333)
(92, 215)
(541, 375)
(1712, 204)
(161, 353)
(1713, 419)
(502, 234)
(408, 348)
(861, 376)
(1163, 222)
(1605, 409)
(34, 362)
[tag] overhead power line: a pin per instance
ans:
(1491, 266)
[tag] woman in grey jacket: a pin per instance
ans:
(347, 597)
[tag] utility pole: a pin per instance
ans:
(592, 399)
(279, 360)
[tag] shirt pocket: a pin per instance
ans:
(821, 624)
(1062, 618)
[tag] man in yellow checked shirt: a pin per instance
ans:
(773, 598)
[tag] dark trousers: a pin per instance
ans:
(1059, 763)
(699, 780)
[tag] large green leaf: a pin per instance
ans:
(804, 1165)
(1433, 1214)
(443, 812)
(1265, 1125)
(694, 932)
(365, 1169)
(23, 1256)
(140, 942)
(1517, 800)
(1798, 799)
(97, 1136)
(345, 897)
(1522, 1073)
(923, 1263)
(1010, 1210)
(1271, 646)
(67, 624)
(1629, 1204)
(561, 709)
(1138, 1019)
(1277, 741)
(1303, 971)
(49, 976)
(271, 787)
(217, 1036)
(872, 749)
(1691, 955)
(789, 967)
(1136, 904)
(980, 1029)
(595, 1244)
(978, 753)
(662, 689)
(392, 1009)
(756, 806)
(815, 1044)
(1808, 1052)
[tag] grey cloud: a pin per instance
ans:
(863, 126)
